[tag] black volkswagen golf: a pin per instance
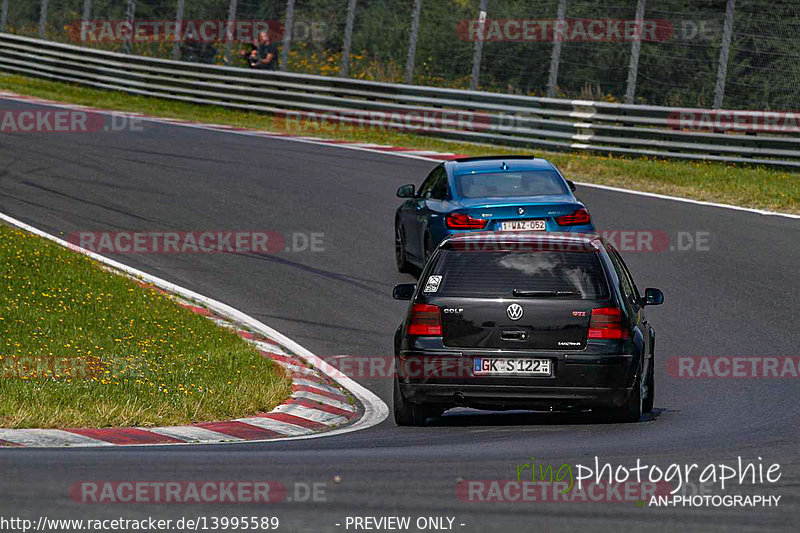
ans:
(525, 321)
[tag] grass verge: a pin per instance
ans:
(756, 187)
(84, 347)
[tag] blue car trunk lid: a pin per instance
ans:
(519, 209)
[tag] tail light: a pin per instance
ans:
(577, 218)
(464, 221)
(606, 323)
(425, 320)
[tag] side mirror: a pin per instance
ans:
(404, 291)
(571, 185)
(406, 191)
(653, 297)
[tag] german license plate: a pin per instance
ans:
(498, 366)
(523, 225)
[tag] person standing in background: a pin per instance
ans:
(267, 53)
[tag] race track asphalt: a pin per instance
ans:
(738, 297)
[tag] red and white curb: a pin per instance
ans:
(425, 155)
(323, 401)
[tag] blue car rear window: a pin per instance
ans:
(509, 184)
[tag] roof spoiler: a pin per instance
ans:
(492, 157)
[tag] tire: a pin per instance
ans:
(649, 399)
(403, 265)
(633, 408)
(410, 414)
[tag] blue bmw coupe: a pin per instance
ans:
(498, 193)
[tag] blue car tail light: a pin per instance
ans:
(577, 218)
(464, 221)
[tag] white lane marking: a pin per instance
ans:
(324, 400)
(360, 145)
(411, 151)
(375, 410)
(48, 437)
(319, 386)
(276, 425)
(688, 200)
(193, 434)
(308, 413)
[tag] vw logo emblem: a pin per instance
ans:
(521, 210)
(514, 311)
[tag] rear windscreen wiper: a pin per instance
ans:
(542, 294)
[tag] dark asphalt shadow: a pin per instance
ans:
(464, 418)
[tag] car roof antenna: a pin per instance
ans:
(504, 167)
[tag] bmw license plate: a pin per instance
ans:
(523, 225)
(496, 366)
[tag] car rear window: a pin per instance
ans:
(510, 184)
(498, 273)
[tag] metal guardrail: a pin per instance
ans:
(504, 119)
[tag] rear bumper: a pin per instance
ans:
(577, 380)
(552, 227)
(514, 397)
